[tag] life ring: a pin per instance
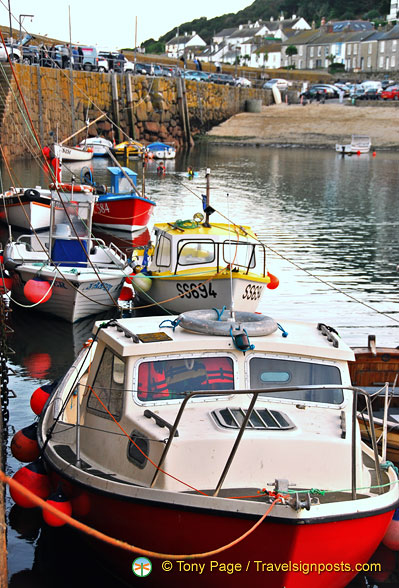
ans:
(215, 322)
(72, 188)
(86, 175)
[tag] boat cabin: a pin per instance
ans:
(70, 233)
(182, 397)
(120, 184)
(185, 245)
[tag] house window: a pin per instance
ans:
(299, 63)
(394, 42)
(354, 49)
(311, 51)
(318, 51)
(354, 63)
(349, 49)
(392, 61)
(382, 46)
(381, 64)
(370, 48)
(369, 62)
(300, 50)
(310, 63)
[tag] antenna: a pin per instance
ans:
(206, 208)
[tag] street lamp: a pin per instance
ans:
(20, 19)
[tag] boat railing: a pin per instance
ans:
(262, 391)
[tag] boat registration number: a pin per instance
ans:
(194, 291)
(252, 292)
(101, 208)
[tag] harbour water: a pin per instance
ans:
(331, 226)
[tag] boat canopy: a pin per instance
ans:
(119, 182)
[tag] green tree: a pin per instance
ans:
(290, 51)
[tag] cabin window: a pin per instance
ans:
(195, 252)
(137, 451)
(241, 254)
(268, 372)
(172, 379)
(163, 252)
(108, 385)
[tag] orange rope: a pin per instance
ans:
(122, 544)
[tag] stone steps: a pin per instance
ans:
(5, 77)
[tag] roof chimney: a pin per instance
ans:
(271, 18)
(293, 16)
(193, 33)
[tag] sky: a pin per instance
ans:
(110, 24)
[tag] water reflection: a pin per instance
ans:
(335, 218)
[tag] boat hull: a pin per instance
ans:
(278, 553)
(27, 214)
(180, 294)
(75, 295)
(127, 213)
(72, 153)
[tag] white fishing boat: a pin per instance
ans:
(70, 275)
(197, 263)
(78, 153)
(99, 145)
(219, 431)
(358, 144)
(26, 208)
(161, 150)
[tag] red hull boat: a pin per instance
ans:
(122, 212)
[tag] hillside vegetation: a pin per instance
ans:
(311, 10)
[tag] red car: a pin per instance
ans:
(391, 93)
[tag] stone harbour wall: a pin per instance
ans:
(59, 103)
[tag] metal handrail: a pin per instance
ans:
(255, 395)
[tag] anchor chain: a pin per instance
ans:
(5, 350)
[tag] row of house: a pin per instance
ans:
(356, 44)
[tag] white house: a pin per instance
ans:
(179, 45)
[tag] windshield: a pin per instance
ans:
(171, 379)
(268, 372)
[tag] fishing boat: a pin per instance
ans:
(99, 145)
(120, 206)
(78, 153)
(129, 148)
(70, 275)
(195, 263)
(377, 370)
(161, 150)
(219, 430)
(26, 208)
(358, 144)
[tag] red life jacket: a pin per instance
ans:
(152, 382)
(220, 373)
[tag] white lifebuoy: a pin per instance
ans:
(72, 188)
(214, 322)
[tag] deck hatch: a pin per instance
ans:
(232, 418)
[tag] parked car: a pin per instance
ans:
(391, 93)
(280, 83)
(14, 53)
(220, 78)
(196, 75)
(371, 94)
(146, 69)
(243, 82)
(315, 93)
(158, 70)
(386, 83)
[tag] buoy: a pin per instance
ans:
(24, 445)
(274, 281)
(387, 561)
(357, 152)
(34, 478)
(127, 292)
(38, 365)
(61, 503)
(142, 282)
(391, 537)
(40, 397)
(5, 285)
(37, 290)
(374, 153)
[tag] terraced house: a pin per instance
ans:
(355, 44)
